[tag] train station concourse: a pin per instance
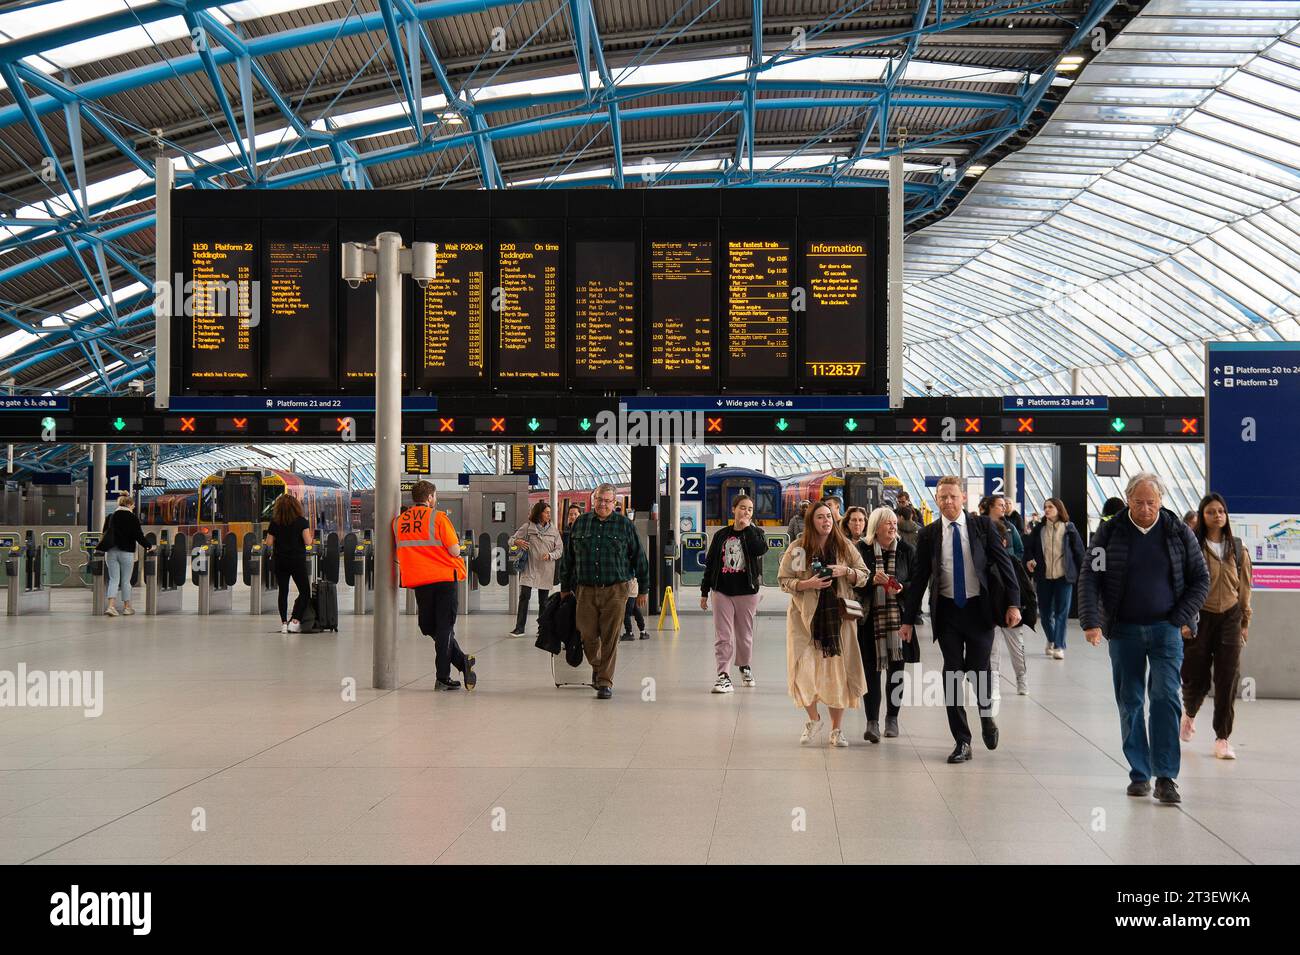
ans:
(703, 432)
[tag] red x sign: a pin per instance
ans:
(342, 424)
(1190, 425)
(499, 424)
(713, 425)
(241, 423)
(920, 425)
(447, 424)
(972, 425)
(290, 425)
(187, 424)
(1026, 426)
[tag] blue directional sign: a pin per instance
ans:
(994, 483)
(1012, 403)
(1252, 456)
(768, 403)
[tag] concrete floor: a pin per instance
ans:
(222, 741)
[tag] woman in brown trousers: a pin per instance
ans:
(1222, 629)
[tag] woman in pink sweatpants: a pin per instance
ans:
(733, 570)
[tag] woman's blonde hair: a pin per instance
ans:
(878, 515)
(286, 509)
(125, 501)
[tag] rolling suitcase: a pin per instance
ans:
(324, 606)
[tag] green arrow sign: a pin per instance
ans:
(851, 425)
(534, 424)
(119, 424)
(782, 424)
(585, 424)
(1117, 424)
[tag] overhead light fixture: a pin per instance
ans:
(1067, 67)
(977, 170)
(453, 118)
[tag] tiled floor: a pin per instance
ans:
(223, 741)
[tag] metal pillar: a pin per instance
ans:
(1075, 380)
(135, 472)
(895, 352)
(164, 179)
(99, 485)
(674, 510)
(553, 483)
(961, 464)
(1009, 474)
(765, 471)
(388, 450)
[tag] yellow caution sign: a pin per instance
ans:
(668, 605)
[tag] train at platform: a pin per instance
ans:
(855, 487)
(237, 500)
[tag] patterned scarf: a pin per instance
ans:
(885, 614)
(826, 621)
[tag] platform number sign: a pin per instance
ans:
(690, 482)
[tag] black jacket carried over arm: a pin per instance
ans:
(755, 543)
(986, 552)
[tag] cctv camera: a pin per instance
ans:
(423, 262)
(354, 263)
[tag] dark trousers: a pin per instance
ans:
(437, 606)
(893, 681)
(524, 593)
(965, 639)
(297, 571)
(1216, 647)
(629, 611)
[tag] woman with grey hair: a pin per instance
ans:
(889, 561)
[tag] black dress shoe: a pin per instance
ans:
(1140, 788)
(604, 692)
(1167, 790)
(960, 754)
(989, 730)
(471, 678)
(447, 684)
(872, 735)
(626, 636)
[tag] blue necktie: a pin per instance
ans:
(958, 568)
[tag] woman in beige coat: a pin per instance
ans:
(823, 661)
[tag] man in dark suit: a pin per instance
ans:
(954, 555)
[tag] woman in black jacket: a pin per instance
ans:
(289, 536)
(733, 570)
(890, 562)
(122, 533)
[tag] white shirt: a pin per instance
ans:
(1216, 547)
(945, 558)
(1144, 530)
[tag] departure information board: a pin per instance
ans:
(536, 291)
(222, 306)
(528, 337)
(836, 327)
(604, 311)
(681, 311)
(298, 313)
(760, 334)
(451, 318)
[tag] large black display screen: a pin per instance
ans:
(837, 323)
(604, 311)
(536, 291)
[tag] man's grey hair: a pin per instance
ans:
(1146, 477)
(602, 488)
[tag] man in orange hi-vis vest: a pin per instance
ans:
(429, 562)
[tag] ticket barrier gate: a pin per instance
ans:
(97, 570)
(212, 574)
(164, 576)
(359, 570)
(259, 574)
(25, 568)
(695, 547)
(6, 541)
(777, 544)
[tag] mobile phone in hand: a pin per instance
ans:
(892, 585)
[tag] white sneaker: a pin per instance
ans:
(747, 677)
(1223, 750)
(723, 684)
(1022, 686)
(111, 611)
(1048, 652)
(838, 738)
(284, 628)
(810, 731)
(128, 611)
(1058, 653)
(295, 626)
(997, 690)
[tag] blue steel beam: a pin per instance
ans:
(410, 77)
(246, 149)
(586, 38)
(745, 139)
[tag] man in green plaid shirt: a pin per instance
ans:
(604, 553)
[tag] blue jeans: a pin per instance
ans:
(1132, 648)
(1054, 607)
(118, 563)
